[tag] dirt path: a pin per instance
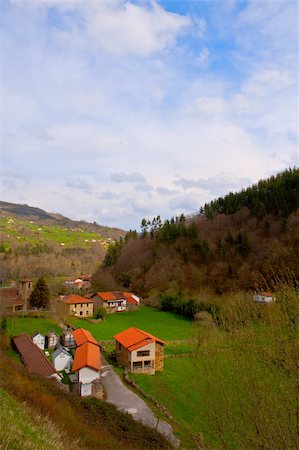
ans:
(125, 400)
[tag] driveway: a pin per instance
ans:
(125, 400)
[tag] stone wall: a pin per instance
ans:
(159, 362)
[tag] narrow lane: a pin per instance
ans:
(125, 400)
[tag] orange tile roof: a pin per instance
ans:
(110, 296)
(133, 338)
(129, 298)
(87, 355)
(266, 294)
(82, 336)
(74, 299)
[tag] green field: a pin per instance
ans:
(164, 325)
(235, 390)
(29, 325)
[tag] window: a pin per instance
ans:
(137, 365)
(143, 353)
(147, 364)
(81, 313)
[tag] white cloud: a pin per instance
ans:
(123, 27)
(122, 177)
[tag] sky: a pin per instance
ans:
(114, 111)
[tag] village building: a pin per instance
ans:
(82, 336)
(39, 340)
(16, 299)
(264, 297)
(132, 301)
(111, 301)
(139, 351)
(67, 338)
(52, 339)
(87, 364)
(61, 359)
(33, 357)
(75, 305)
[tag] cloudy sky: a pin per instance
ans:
(115, 110)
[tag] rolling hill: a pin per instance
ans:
(34, 242)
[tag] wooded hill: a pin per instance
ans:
(247, 240)
(34, 243)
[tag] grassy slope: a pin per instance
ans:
(25, 231)
(21, 428)
(17, 325)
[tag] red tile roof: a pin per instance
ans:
(266, 294)
(33, 357)
(133, 338)
(87, 355)
(74, 299)
(82, 336)
(130, 299)
(110, 296)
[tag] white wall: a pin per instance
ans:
(61, 361)
(87, 375)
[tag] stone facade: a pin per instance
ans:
(159, 361)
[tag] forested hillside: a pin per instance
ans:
(247, 240)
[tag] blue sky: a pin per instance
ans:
(115, 110)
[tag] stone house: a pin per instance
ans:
(139, 351)
(16, 299)
(111, 301)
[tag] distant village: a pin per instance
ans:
(74, 357)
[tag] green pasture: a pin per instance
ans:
(235, 397)
(22, 231)
(165, 325)
(29, 325)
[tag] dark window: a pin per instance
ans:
(147, 364)
(137, 365)
(143, 353)
(81, 312)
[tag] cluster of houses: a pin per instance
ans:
(17, 299)
(75, 356)
(111, 301)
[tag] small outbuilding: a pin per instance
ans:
(39, 340)
(264, 297)
(61, 359)
(52, 339)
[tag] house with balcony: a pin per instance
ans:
(139, 351)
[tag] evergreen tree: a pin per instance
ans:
(40, 296)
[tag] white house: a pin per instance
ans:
(264, 297)
(87, 364)
(39, 340)
(61, 359)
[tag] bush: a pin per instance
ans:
(100, 313)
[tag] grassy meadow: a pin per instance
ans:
(165, 325)
(225, 388)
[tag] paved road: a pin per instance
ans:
(125, 400)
